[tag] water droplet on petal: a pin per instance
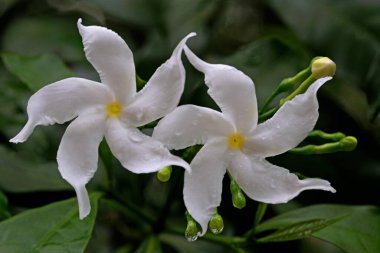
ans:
(178, 134)
(136, 138)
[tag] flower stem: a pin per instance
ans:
(301, 89)
(286, 85)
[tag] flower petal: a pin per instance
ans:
(232, 90)
(78, 154)
(138, 152)
(268, 183)
(203, 187)
(289, 126)
(112, 59)
(189, 125)
(62, 101)
(162, 92)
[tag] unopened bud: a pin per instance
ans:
(348, 143)
(238, 198)
(164, 174)
(216, 224)
(322, 67)
(192, 231)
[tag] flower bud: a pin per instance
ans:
(348, 143)
(192, 231)
(216, 224)
(164, 174)
(238, 198)
(322, 67)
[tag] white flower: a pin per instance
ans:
(232, 139)
(112, 109)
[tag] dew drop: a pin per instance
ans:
(178, 134)
(136, 138)
(217, 231)
(192, 238)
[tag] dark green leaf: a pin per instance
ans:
(298, 230)
(150, 245)
(32, 35)
(358, 232)
(52, 228)
(5, 4)
(36, 71)
(79, 6)
(4, 213)
(334, 28)
(21, 175)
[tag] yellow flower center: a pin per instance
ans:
(114, 109)
(235, 141)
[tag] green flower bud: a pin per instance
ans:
(348, 143)
(238, 198)
(322, 67)
(216, 224)
(164, 174)
(192, 231)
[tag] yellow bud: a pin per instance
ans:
(322, 67)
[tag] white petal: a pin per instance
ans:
(78, 154)
(232, 90)
(62, 101)
(112, 59)
(162, 92)
(268, 183)
(189, 125)
(138, 152)
(289, 126)
(203, 187)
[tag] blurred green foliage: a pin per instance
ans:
(268, 40)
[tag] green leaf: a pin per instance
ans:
(298, 230)
(358, 232)
(334, 28)
(36, 34)
(21, 175)
(150, 245)
(4, 212)
(5, 4)
(36, 71)
(52, 228)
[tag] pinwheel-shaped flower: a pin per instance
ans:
(232, 139)
(112, 109)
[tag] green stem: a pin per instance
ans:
(301, 89)
(327, 136)
(260, 212)
(286, 85)
(228, 241)
(346, 144)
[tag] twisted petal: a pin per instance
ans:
(62, 101)
(268, 183)
(203, 187)
(112, 59)
(162, 92)
(138, 152)
(78, 154)
(232, 90)
(289, 126)
(189, 125)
